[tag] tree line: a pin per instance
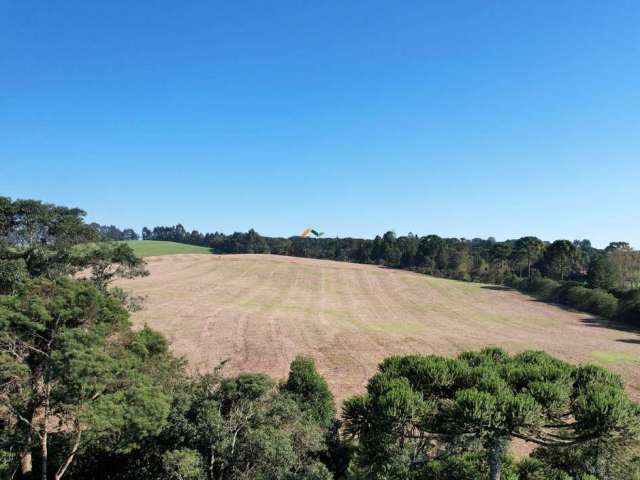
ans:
(111, 232)
(605, 282)
(83, 395)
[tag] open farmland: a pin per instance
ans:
(260, 311)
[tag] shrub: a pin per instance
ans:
(514, 281)
(12, 272)
(602, 303)
(592, 300)
(629, 309)
(543, 288)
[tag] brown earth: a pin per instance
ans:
(260, 311)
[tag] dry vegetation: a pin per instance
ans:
(260, 311)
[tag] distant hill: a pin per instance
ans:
(152, 248)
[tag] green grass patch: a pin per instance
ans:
(152, 248)
(615, 357)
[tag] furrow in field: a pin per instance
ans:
(259, 311)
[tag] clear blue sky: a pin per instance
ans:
(458, 118)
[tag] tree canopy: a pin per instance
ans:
(420, 408)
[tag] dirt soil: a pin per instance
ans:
(260, 311)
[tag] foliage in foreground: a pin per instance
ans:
(225, 428)
(82, 395)
(421, 408)
(74, 374)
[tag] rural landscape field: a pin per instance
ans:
(259, 311)
(303, 240)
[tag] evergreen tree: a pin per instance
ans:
(310, 390)
(419, 408)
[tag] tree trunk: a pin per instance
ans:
(496, 453)
(26, 463)
(44, 447)
(72, 455)
(26, 460)
(45, 453)
(212, 459)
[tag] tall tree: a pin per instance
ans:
(558, 258)
(530, 249)
(73, 370)
(626, 265)
(602, 273)
(52, 241)
(129, 234)
(310, 390)
(419, 408)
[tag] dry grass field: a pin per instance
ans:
(260, 311)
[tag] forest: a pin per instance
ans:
(605, 282)
(84, 395)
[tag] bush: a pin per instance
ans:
(592, 300)
(629, 308)
(543, 288)
(514, 281)
(602, 303)
(12, 272)
(574, 295)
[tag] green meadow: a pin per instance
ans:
(152, 248)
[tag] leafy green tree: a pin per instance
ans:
(377, 250)
(602, 273)
(129, 234)
(626, 266)
(108, 261)
(44, 240)
(592, 459)
(240, 427)
(500, 254)
(629, 308)
(614, 246)
(428, 249)
(73, 373)
(310, 391)
(391, 252)
(408, 247)
(558, 258)
(40, 236)
(529, 249)
(183, 464)
(421, 408)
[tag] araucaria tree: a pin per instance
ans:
(528, 249)
(421, 408)
(559, 257)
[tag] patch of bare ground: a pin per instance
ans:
(260, 311)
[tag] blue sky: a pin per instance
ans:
(469, 119)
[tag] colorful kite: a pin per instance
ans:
(309, 231)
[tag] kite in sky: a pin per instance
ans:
(309, 231)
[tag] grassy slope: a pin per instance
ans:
(260, 311)
(152, 248)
